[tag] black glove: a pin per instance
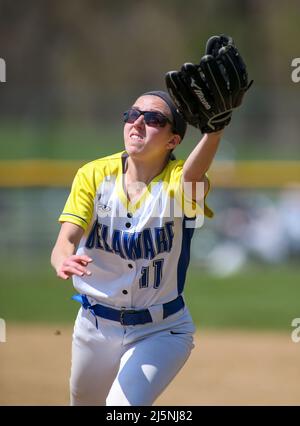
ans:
(206, 94)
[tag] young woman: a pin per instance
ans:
(125, 240)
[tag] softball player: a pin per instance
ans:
(125, 240)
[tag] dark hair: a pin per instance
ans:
(179, 123)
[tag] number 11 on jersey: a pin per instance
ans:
(157, 274)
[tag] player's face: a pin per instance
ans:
(150, 140)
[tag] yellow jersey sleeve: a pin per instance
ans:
(80, 203)
(182, 192)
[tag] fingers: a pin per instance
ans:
(74, 268)
(181, 93)
(216, 83)
(81, 258)
(198, 86)
(63, 275)
(212, 45)
(215, 43)
(74, 265)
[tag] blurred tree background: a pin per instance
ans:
(81, 63)
(73, 67)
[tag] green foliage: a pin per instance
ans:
(87, 63)
(86, 143)
(54, 141)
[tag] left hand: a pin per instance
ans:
(207, 93)
(74, 265)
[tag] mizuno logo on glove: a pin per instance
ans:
(200, 94)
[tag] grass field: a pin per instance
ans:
(259, 297)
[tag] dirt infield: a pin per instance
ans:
(225, 368)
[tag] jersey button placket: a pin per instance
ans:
(132, 267)
(127, 223)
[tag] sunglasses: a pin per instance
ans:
(152, 118)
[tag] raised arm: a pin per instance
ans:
(200, 159)
(206, 95)
(63, 257)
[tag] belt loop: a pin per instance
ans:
(156, 313)
(90, 308)
(82, 298)
(122, 313)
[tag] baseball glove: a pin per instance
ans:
(206, 93)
